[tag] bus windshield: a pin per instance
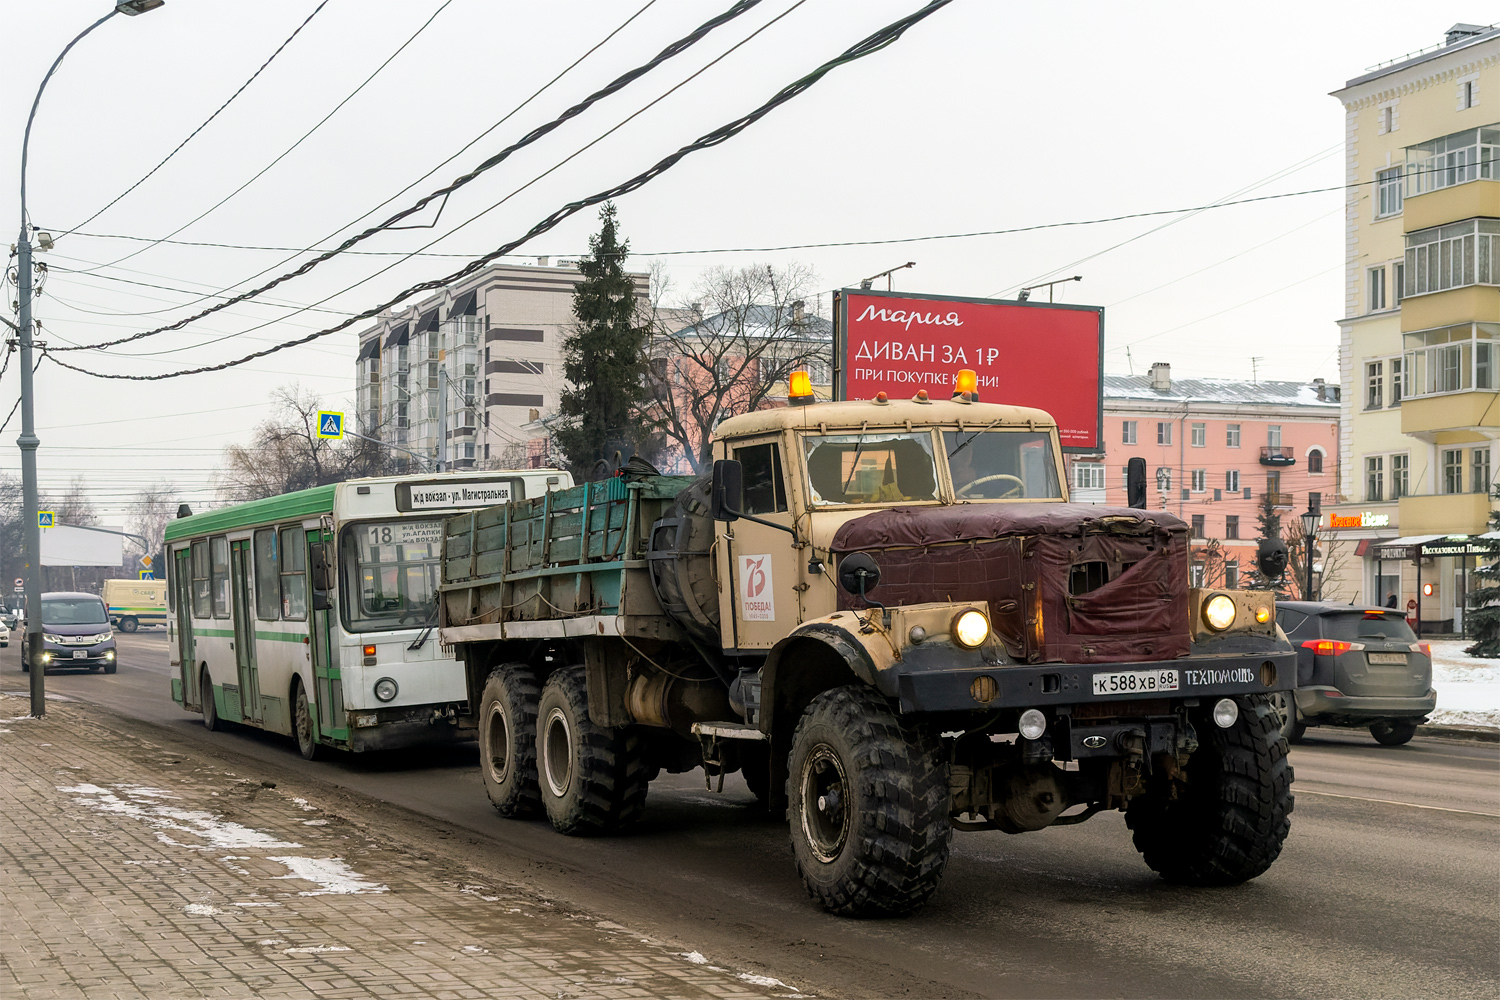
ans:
(1001, 465)
(391, 574)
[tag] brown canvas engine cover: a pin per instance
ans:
(1021, 558)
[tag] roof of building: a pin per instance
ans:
(1458, 37)
(760, 321)
(1221, 390)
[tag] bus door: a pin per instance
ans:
(244, 630)
(182, 599)
(333, 721)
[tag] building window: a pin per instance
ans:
(1453, 470)
(1231, 574)
(1396, 385)
(1128, 436)
(1198, 526)
(1200, 435)
(1452, 359)
(1273, 482)
(1232, 526)
(1453, 159)
(1315, 462)
(1399, 281)
(1200, 480)
(1088, 476)
(1388, 188)
(1163, 433)
(1479, 470)
(1196, 574)
(1467, 95)
(1375, 282)
(1387, 120)
(1232, 436)
(1400, 486)
(1273, 435)
(1315, 501)
(1164, 479)
(1232, 481)
(1374, 385)
(1375, 477)
(1452, 256)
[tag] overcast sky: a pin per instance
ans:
(986, 116)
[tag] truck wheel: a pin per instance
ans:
(1232, 811)
(129, 624)
(507, 741)
(869, 806)
(1393, 732)
(592, 778)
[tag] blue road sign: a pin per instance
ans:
(146, 574)
(44, 518)
(330, 424)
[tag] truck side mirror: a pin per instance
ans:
(1135, 483)
(728, 494)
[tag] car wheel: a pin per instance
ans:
(1393, 732)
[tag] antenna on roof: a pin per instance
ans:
(1255, 369)
(1129, 360)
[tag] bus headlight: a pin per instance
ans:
(1219, 612)
(385, 689)
(970, 628)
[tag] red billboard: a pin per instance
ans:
(1025, 353)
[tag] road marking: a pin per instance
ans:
(1393, 802)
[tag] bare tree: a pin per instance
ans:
(153, 509)
(729, 350)
(1329, 552)
(287, 455)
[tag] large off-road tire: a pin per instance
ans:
(1393, 732)
(211, 720)
(869, 806)
(592, 778)
(507, 740)
(302, 723)
(1232, 811)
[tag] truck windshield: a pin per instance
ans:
(1001, 465)
(73, 611)
(871, 467)
(391, 573)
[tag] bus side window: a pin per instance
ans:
(267, 576)
(219, 551)
(765, 490)
(293, 575)
(201, 600)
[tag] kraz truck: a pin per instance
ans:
(887, 615)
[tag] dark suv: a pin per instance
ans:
(75, 633)
(1357, 667)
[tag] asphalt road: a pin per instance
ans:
(1387, 886)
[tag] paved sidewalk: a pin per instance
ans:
(131, 868)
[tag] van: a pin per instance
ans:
(133, 603)
(75, 633)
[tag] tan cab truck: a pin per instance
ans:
(890, 619)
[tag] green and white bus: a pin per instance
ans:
(314, 614)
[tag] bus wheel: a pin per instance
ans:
(507, 741)
(210, 711)
(592, 778)
(129, 624)
(307, 734)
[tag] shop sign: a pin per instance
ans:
(1368, 519)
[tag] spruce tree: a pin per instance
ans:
(604, 358)
(1484, 602)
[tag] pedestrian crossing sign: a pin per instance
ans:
(44, 518)
(330, 424)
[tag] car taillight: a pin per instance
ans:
(1425, 648)
(1330, 647)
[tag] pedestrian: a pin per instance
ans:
(1390, 601)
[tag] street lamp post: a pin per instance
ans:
(1309, 536)
(28, 441)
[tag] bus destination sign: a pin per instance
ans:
(451, 495)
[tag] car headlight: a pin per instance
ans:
(385, 689)
(971, 628)
(54, 638)
(1219, 612)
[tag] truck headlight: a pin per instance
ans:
(970, 628)
(1219, 612)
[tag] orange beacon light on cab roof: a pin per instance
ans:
(799, 389)
(966, 384)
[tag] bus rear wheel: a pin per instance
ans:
(592, 778)
(302, 723)
(206, 699)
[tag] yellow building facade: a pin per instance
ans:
(1419, 349)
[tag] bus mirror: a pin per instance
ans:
(320, 601)
(728, 493)
(320, 577)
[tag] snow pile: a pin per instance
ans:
(1468, 687)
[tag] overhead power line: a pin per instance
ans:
(442, 193)
(874, 43)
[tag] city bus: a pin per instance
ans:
(314, 614)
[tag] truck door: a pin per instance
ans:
(182, 600)
(244, 629)
(760, 562)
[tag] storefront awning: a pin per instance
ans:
(1427, 546)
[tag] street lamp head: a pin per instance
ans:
(43, 241)
(131, 8)
(1310, 522)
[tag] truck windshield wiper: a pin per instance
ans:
(970, 439)
(858, 447)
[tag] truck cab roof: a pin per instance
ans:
(895, 413)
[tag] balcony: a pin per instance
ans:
(1422, 417)
(1445, 514)
(1277, 457)
(1464, 304)
(1280, 499)
(1472, 200)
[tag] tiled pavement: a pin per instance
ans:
(132, 868)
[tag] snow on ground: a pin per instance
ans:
(1468, 687)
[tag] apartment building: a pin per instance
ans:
(467, 376)
(1213, 449)
(1421, 320)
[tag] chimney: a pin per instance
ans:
(532, 416)
(1322, 388)
(542, 261)
(1461, 31)
(799, 312)
(1161, 376)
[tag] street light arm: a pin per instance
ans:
(145, 544)
(26, 140)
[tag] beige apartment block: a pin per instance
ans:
(1420, 337)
